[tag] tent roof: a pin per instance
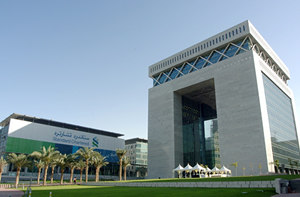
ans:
(215, 169)
(179, 168)
(208, 170)
(198, 167)
(224, 169)
(188, 167)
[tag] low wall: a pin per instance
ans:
(229, 184)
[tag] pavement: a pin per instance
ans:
(10, 193)
(287, 195)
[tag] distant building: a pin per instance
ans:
(25, 134)
(137, 151)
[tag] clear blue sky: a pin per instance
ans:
(86, 62)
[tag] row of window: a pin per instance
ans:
(199, 48)
(282, 123)
(200, 62)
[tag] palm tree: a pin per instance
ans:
(3, 163)
(80, 165)
(71, 161)
(276, 163)
(125, 164)
(18, 161)
(120, 153)
(46, 156)
(98, 161)
(39, 164)
(62, 163)
(86, 154)
(53, 164)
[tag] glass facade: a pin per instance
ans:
(200, 133)
(20, 145)
(202, 61)
(282, 125)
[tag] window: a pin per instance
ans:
(222, 37)
(244, 28)
(236, 31)
(226, 36)
(233, 33)
(229, 34)
(240, 29)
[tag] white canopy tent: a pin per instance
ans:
(189, 169)
(179, 169)
(198, 168)
(225, 170)
(215, 170)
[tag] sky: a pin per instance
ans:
(86, 62)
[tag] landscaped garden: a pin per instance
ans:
(95, 191)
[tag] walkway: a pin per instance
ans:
(10, 193)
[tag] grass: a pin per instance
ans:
(96, 191)
(218, 179)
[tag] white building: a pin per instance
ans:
(25, 134)
(221, 101)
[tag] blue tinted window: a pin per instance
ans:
(214, 57)
(246, 45)
(162, 79)
(240, 29)
(186, 69)
(174, 74)
(200, 63)
(231, 51)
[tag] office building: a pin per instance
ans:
(137, 152)
(221, 101)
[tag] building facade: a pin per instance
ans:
(221, 101)
(137, 152)
(25, 134)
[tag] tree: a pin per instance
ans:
(52, 165)
(235, 164)
(276, 163)
(120, 153)
(18, 161)
(98, 161)
(3, 163)
(86, 154)
(71, 162)
(46, 155)
(80, 165)
(62, 163)
(39, 164)
(125, 164)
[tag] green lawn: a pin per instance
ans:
(96, 191)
